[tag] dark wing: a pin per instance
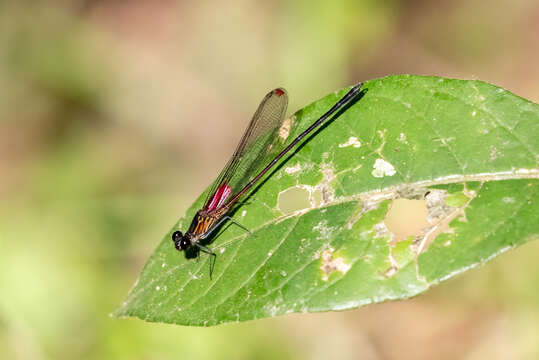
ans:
(252, 152)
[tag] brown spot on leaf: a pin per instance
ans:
(329, 264)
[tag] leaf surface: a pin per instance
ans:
(468, 149)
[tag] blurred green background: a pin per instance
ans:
(115, 115)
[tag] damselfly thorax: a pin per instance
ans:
(201, 224)
(204, 223)
(246, 167)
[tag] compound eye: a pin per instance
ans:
(176, 236)
(184, 244)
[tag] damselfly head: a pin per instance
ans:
(181, 242)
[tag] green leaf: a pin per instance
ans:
(320, 241)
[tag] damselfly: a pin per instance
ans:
(259, 144)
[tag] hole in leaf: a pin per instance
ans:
(406, 217)
(293, 199)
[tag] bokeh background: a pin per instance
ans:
(115, 115)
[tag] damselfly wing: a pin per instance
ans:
(259, 146)
(253, 148)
